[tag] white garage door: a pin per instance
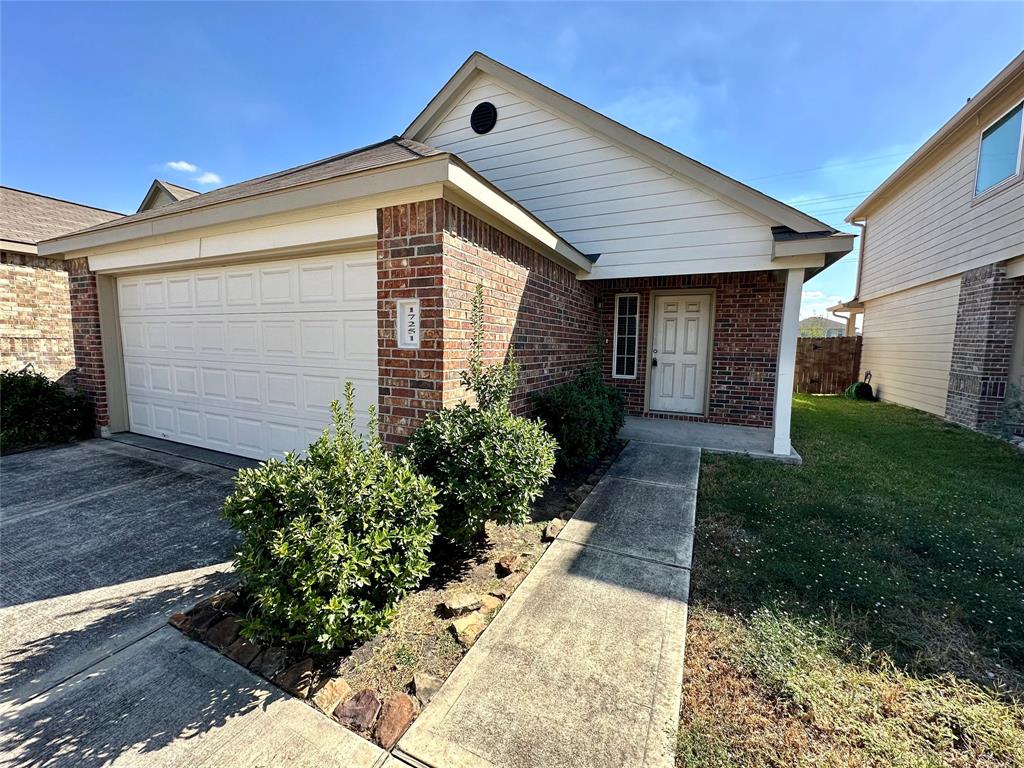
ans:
(247, 359)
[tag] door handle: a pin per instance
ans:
(654, 362)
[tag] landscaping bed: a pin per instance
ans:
(378, 688)
(864, 609)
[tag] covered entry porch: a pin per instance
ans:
(756, 442)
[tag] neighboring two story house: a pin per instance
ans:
(231, 319)
(941, 277)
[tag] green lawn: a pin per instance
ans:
(866, 608)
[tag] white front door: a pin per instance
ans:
(679, 352)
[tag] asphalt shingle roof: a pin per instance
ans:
(389, 152)
(26, 217)
(177, 192)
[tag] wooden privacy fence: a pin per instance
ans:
(827, 366)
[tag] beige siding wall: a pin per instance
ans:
(908, 344)
(598, 195)
(932, 226)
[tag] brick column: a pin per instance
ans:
(90, 376)
(409, 266)
(983, 345)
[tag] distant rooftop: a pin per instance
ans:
(27, 217)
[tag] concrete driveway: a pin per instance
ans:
(99, 543)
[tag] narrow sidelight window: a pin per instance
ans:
(1000, 150)
(627, 309)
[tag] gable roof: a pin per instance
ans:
(994, 88)
(174, 191)
(654, 151)
(817, 321)
(28, 218)
(383, 153)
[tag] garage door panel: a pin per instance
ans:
(254, 434)
(248, 359)
(346, 283)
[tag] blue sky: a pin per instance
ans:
(812, 103)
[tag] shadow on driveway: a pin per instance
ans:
(99, 543)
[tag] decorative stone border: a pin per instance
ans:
(215, 622)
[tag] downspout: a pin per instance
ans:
(851, 322)
(860, 256)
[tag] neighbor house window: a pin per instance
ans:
(1000, 150)
(627, 310)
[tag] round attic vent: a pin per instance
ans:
(484, 116)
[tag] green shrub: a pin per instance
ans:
(37, 411)
(332, 541)
(584, 415)
(486, 463)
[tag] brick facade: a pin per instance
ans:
(548, 316)
(90, 377)
(409, 266)
(35, 315)
(745, 343)
(982, 345)
(438, 253)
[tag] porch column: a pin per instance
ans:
(787, 361)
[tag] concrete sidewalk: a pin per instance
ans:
(583, 666)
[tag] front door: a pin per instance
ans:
(679, 352)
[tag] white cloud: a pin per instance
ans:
(207, 177)
(816, 304)
(657, 111)
(182, 165)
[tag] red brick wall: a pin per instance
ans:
(748, 317)
(35, 315)
(409, 265)
(90, 377)
(438, 253)
(826, 366)
(540, 308)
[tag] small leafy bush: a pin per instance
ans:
(584, 415)
(37, 411)
(486, 463)
(330, 542)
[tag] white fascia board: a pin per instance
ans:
(485, 195)
(1015, 267)
(12, 246)
(413, 173)
(833, 244)
(805, 261)
(668, 268)
(255, 241)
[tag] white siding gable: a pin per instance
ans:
(599, 196)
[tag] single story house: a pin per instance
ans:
(941, 275)
(161, 193)
(35, 302)
(231, 319)
(816, 327)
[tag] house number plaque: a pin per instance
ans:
(409, 323)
